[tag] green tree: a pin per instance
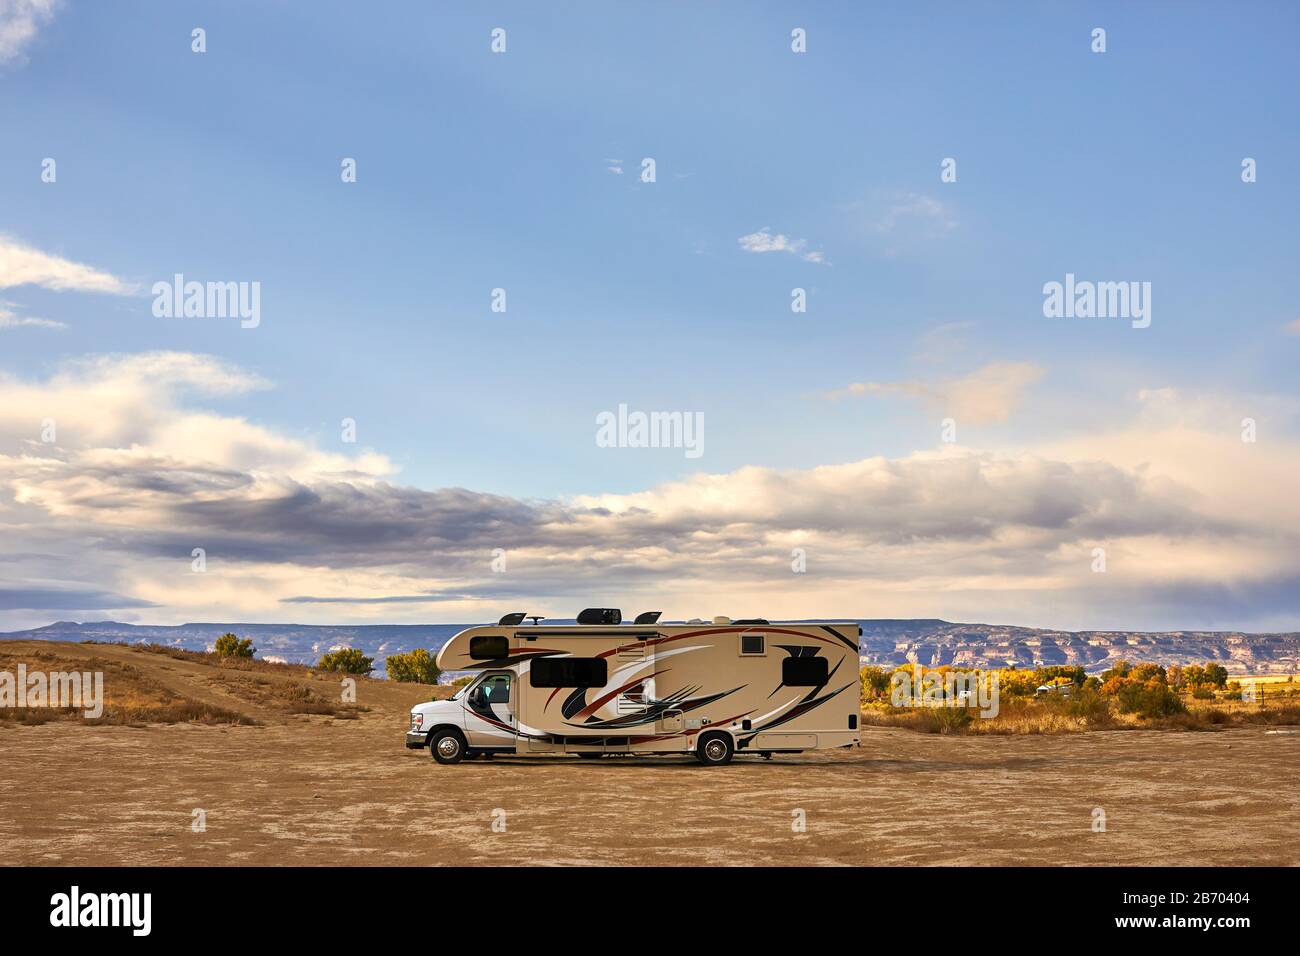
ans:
(347, 660)
(416, 667)
(875, 681)
(1121, 669)
(1073, 673)
(1148, 672)
(1216, 674)
(228, 645)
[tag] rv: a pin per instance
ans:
(604, 688)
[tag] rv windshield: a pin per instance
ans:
(461, 692)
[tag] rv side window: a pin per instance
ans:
(804, 671)
(569, 672)
(488, 647)
(752, 645)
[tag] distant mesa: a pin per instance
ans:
(927, 641)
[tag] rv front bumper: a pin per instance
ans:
(415, 740)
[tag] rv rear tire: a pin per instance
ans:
(447, 746)
(714, 749)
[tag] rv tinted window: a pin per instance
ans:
(751, 644)
(803, 671)
(496, 689)
(569, 672)
(488, 648)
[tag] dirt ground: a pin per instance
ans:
(308, 789)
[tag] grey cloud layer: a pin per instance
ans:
(107, 517)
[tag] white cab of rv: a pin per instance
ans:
(602, 687)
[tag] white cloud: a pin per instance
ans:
(20, 21)
(766, 241)
(12, 320)
(22, 265)
(614, 166)
(944, 342)
(989, 394)
(915, 211)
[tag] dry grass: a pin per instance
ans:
(287, 696)
(1061, 716)
(130, 697)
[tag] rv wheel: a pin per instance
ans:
(447, 747)
(714, 749)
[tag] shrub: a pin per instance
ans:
(417, 667)
(228, 645)
(347, 660)
(1152, 699)
(1089, 705)
(943, 720)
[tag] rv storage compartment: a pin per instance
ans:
(784, 742)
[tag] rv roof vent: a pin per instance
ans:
(697, 620)
(511, 619)
(751, 620)
(722, 619)
(648, 617)
(600, 615)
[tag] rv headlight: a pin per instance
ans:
(417, 720)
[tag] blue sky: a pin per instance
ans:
(478, 171)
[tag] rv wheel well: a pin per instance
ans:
(428, 738)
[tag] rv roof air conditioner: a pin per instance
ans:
(600, 615)
(648, 617)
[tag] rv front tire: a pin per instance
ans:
(447, 746)
(714, 749)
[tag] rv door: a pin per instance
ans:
(490, 717)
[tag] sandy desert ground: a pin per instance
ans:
(309, 789)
